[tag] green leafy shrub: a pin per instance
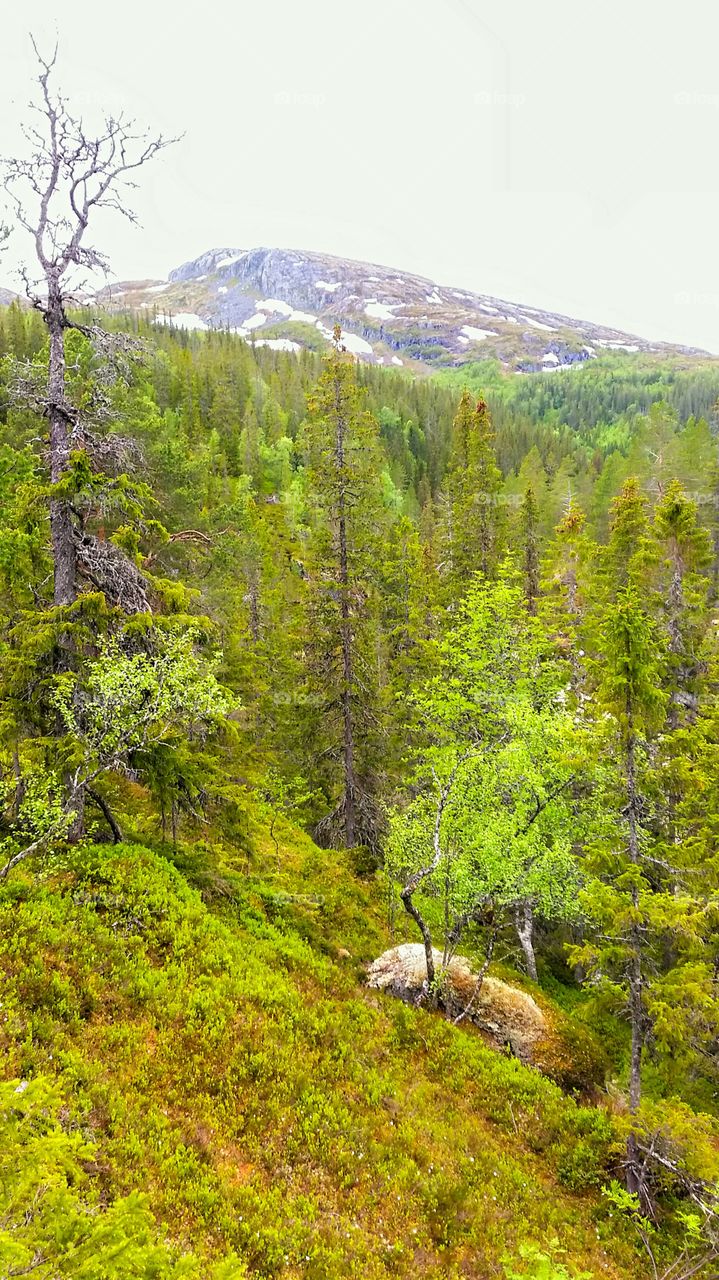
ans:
(53, 1221)
(536, 1264)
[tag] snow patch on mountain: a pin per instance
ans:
(537, 324)
(351, 341)
(356, 345)
(183, 320)
(617, 346)
(279, 308)
(276, 306)
(379, 310)
(477, 335)
(278, 344)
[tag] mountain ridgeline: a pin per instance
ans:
(286, 297)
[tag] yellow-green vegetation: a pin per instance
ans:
(224, 1058)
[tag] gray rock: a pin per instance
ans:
(505, 1013)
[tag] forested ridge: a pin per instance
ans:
(324, 685)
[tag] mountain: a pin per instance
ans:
(289, 299)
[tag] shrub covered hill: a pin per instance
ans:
(351, 659)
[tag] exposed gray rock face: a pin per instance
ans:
(203, 265)
(510, 1016)
(390, 317)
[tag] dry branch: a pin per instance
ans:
(110, 571)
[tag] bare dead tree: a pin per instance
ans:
(69, 175)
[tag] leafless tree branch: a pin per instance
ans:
(67, 175)
(112, 572)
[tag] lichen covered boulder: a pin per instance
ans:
(539, 1034)
(509, 1016)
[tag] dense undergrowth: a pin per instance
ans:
(217, 1046)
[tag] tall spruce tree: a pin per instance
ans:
(565, 574)
(623, 900)
(685, 550)
(529, 530)
(629, 552)
(471, 510)
(343, 464)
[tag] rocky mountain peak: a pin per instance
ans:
(291, 298)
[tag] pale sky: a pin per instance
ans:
(560, 154)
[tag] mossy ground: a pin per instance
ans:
(229, 1062)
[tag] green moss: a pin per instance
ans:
(227, 1066)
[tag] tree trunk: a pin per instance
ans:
(420, 876)
(348, 727)
(676, 645)
(348, 745)
(107, 813)
(254, 601)
(524, 924)
(64, 555)
(61, 529)
(572, 591)
(634, 972)
(411, 909)
(635, 1182)
(636, 1016)
(636, 1012)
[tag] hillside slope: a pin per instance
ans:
(288, 297)
(219, 1046)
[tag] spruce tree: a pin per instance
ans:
(529, 522)
(410, 624)
(471, 511)
(685, 551)
(566, 575)
(629, 552)
(622, 900)
(345, 515)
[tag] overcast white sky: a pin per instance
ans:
(560, 154)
